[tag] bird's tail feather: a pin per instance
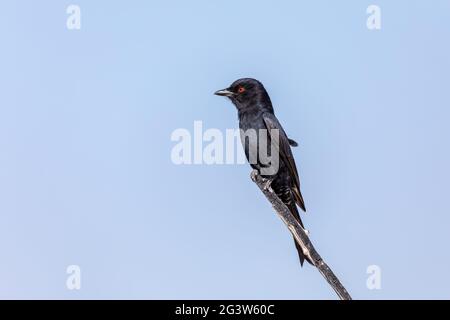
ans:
(300, 252)
(301, 255)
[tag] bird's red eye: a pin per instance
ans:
(241, 89)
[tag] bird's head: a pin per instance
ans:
(247, 93)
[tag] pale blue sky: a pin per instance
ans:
(86, 176)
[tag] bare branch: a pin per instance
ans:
(301, 237)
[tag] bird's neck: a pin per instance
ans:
(257, 104)
(253, 111)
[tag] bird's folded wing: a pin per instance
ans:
(286, 156)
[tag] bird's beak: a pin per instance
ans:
(224, 93)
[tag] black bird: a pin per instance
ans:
(255, 112)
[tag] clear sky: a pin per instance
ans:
(86, 176)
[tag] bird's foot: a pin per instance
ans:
(267, 185)
(267, 182)
(254, 174)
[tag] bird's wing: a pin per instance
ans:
(286, 156)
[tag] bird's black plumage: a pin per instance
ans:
(255, 111)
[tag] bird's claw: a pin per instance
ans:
(254, 174)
